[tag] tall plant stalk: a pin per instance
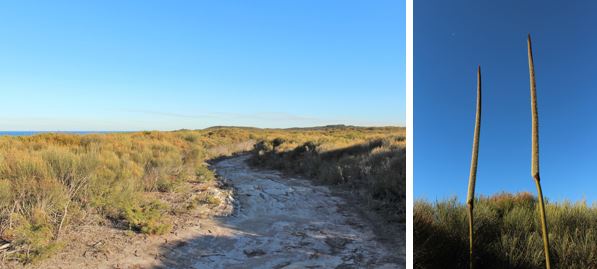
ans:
(535, 153)
(473, 173)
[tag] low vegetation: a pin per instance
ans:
(370, 162)
(507, 233)
(52, 183)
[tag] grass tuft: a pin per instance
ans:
(508, 235)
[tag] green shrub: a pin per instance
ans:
(35, 233)
(148, 218)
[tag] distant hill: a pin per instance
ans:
(333, 126)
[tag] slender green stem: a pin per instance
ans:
(543, 222)
(535, 153)
(473, 173)
(470, 235)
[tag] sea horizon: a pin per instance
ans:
(28, 133)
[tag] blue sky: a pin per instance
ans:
(450, 39)
(163, 65)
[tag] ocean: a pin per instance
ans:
(25, 133)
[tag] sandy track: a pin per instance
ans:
(280, 223)
(270, 221)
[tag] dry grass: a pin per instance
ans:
(369, 161)
(508, 234)
(52, 183)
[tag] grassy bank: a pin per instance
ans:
(507, 233)
(369, 161)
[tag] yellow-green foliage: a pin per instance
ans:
(148, 218)
(508, 234)
(49, 182)
(209, 199)
(369, 159)
(52, 182)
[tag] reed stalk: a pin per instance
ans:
(535, 153)
(473, 173)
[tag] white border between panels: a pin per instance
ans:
(409, 134)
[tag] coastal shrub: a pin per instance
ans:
(148, 218)
(50, 183)
(373, 164)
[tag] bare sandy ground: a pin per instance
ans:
(267, 221)
(282, 223)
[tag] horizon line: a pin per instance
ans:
(217, 126)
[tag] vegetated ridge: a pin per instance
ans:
(54, 185)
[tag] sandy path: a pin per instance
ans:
(280, 223)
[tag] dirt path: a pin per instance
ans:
(281, 223)
(266, 220)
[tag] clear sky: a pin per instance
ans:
(450, 39)
(163, 65)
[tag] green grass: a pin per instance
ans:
(508, 233)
